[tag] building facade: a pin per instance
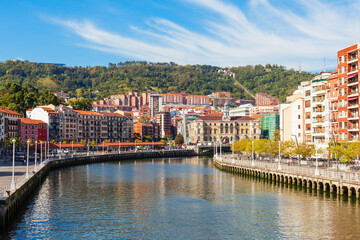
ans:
(225, 129)
(36, 130)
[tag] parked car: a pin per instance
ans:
(20, 156)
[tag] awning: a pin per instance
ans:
(352, 98)
(352, 75)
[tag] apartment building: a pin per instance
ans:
(163, 120)
(11, 123)
(265, 99)
(263, 109)
(36, 130)
(348, 93)
(48, 115)
(155, 104)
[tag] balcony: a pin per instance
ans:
(352, 70)
(353, 94)
(353, 117)
(352, 59)
(353, 83)
(353, 106)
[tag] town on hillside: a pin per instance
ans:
(322, 110)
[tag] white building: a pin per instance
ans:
(241, 111)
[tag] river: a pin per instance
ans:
(182, 198)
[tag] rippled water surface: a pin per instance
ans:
(182, 198)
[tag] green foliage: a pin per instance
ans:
(147, 139)
(179, 139)
(20, 98)
(80, 103)
(272, 79)
(143, 119)
(137, 137)
(142, 76)
(305, 150)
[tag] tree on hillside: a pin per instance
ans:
(80, 104)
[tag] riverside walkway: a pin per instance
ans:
(326, 179)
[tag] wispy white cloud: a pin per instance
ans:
(305, 32)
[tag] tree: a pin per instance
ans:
(305, 150)
(143, 119)
(137, 137)
(288, 148)
(17, 142)
(240, 146)
(147, 139)
(83, 142)
(92, 144)
(179, 139)
(261, 146)
(80, 104)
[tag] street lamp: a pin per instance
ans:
(40, 152)
(27, 159)
(220, 151)
(35, 155)
(60, 150)
(48, 151)
(103, 148)
(316, 169)
(252, 154)
(72, 148)
(45, 151)
(279, 166)
(119, 146)
(13, 185)
(233, 145)
(88, 151)
(297, 145)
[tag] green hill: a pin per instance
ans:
(143, 76)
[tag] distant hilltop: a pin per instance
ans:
(57, 64)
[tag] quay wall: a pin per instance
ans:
(13, 205)
(339, 186)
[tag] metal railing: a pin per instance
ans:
(5, 189)
(287, 167)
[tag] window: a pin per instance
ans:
(299, 126)
(298, 116)
(298, 106)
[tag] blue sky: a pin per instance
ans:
(216, 32)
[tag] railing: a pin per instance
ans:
(5, 189)
(289, 168)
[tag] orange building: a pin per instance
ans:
(348, 88)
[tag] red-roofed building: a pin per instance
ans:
(10, 124)
(33, 129)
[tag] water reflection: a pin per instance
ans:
(183, 198)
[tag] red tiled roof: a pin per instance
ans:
(31, 121)
(111, 114)
(87, 112)
(7, 111)
(211, 118)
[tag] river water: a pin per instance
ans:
(183, 198)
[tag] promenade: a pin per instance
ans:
(326, 179)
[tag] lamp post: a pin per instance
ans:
(88, 151)
(103, 148)
(119, 146)
(60, 151)
(220, 152)
(279, 166)
(48, 150)
(72, 148)
(233, 159)
(40, 152)
(297, 145)
(35, 155)
(316, 157)
(13, 185)
(45, 151)
(27, 159)
(252, 154)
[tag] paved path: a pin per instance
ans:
(6, 174)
